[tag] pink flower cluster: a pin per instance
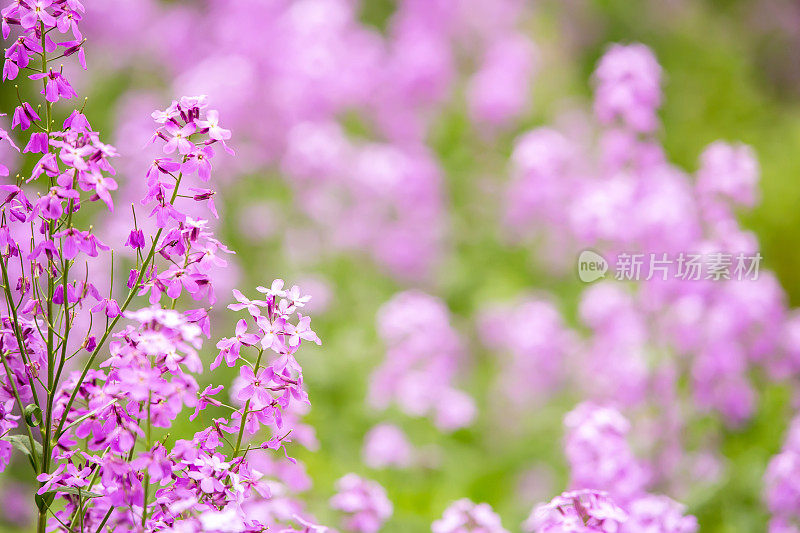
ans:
(611, 483)
(615, 366)
(464, 516)
(386, 445)
(587, 510)
(598, 453)
(781, 485)
(645, 337)
(538, 345)
(356, 159)
(341, 185)
(628, 88)
(608, 488)
(364, 503)
(384, 197)
(615, 192)
(499, 91)
(188, 128)
(577, 512)
(35, 20)
(422, 362)
(95, 437)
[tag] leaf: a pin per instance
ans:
(23, 444)
(33, 415)
(45, 501)
(77, 491)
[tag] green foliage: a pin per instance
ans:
(23, 444)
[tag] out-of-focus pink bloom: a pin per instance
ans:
(500, 91)
(729, 172)
(599, 454)
(422, 361)
(464, 516)
(658, 514)
(582, 511)
(782, 482)
(385, 445)
(628, 87)
(537, 343)
(363, 502)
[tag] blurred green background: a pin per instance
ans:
(731, 72)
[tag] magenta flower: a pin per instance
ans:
(275, 290)
(205, 399)
(158, 167)
(73, 241)
(38, 12)
(5, 28)
(23, 116)
(75, 47)
(212, 124)
(69, 21)
(108, 306)
(157, 464)
(209, 471)
(73, 294)
(386, 445)
(45, 248)
(658, 513)
(101, 185)
(56, 86)
(272, 332)
(729, 172)
(199, 162)
(50, 479)
(302, 331)
(179, 139)
(166, 212)
(171, 113)
(294, 296)
(91, 244)
(206, 195)
(252, 306)
(599, 454)
(135, 239)
(464, 516)
(254, 386)
(50, 206)
(37, 143)
(628, 87)
(77, 121)
(10, 70)
(230, 348)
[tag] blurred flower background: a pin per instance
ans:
(429, 171)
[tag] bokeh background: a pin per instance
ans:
(730, 72)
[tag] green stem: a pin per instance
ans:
(46, 444)
(148, 434)
(246, 407)
(41, 525)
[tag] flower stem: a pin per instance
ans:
(246, 407)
